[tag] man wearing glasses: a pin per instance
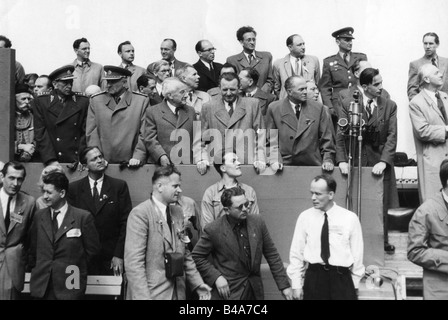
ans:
(337, 73)
(237, 241)
(207, 69)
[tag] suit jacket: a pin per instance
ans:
(137, 72)
(428, 246)
(307, 142)
(116, 128)
(177, 64)
(262, 63)
(337, 75)
(89, 74)
(198, 99)
(283, 69)
(160, 124)
(219, 241)
(413, 80)
(146, 236)
(430, 141)
(111, 217)
(60, 130)
(75, 244)
(14, 241)
(207, 78)
(246, 119)
(264, 100)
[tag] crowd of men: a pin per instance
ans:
(250, 110)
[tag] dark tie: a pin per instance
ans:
(172, 69)
(7, 215)
(369, 108)
(441, 107)
(176, 111)
(434, 62)
(299, 67)
(96, 195)
(297, 107)
(230, 109)
(324, 241)
(251, 57)
(168, 218)
(117, 100)
(55, 222)
(190, 94)
(346, 58)
(212, 71)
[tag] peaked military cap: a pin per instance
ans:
(63, 73)
(115, 73)
(344, 33)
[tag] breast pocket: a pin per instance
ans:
(217, 207)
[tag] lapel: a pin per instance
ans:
(253, 241)
(2, 221)
(443, 65)
(162, 225)
(46, 223)
(104, 195)
(221, 113)
(71, 108)
(258, 58)
(378, 113)
(110, 102)
(168, 115)
(432, 104)
(66, 225)
(306, 119)
(242, 60)
(341, 61)
(124, 103)
(55, 106)
(287, 65)
(287, 115)
(19, 209)
(183, 117)
(230, 240)
(87, 197)
(239, 112)
(204, 70)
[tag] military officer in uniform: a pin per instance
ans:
(60, 119)
(116, 118)
(336, 72)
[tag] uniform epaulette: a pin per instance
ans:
(97, 94)
(139, 93)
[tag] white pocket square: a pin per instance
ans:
(74, 233)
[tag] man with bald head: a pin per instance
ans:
(167, 50)
(207, 69)
(295, 63)
(171, 117)
(428, 111)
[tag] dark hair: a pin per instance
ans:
(228, 65)
(120, 46)
(229, 76)
(444, 173)
(367, 76)
(253, 74)
(15, 165)
(290, 39)
(241, 31)
(143, 81)
(50, 84)
(174, 43)
(8, 43)
(83, 154)
(58, 180)
(432, 34)
(331, 183)
(165, 171)
(289, 83)
(198, 46)
(30, 76)
(78, 42)
(226, 197)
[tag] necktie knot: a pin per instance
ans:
(434, 61)
(438, 95)
(55, 214)
(117, 100)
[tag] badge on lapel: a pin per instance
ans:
(17, 217)
(74, 233)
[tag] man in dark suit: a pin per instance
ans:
(167, 50)
(147, 85)
(260, 60)
(305, 134)
(109, 202)
(63, 242)
(171, 115)
(207, 69)
(226, 68)
(237, 242)
(336, 71)
(60, 120)
(249, 79)
(430, 44)
(16, 214)
(379, 139)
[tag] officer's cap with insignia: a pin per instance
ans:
(115, 73)
(344, 33)
(63, 73)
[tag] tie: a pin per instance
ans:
(251, 57)
(248, 95)
(7, 215)
(230, 109)
(297, 107)
(117, 100)
(434, 62)
(346, 58)
(190, 94)
(55, 222)
(299, 67)
(441, 107)
(324, 241)
(177, 111)
(96, 195)
(172, 69)
(168, 218)
(369, 109)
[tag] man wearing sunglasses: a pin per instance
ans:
(237, 241)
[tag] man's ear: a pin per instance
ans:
(63, 194)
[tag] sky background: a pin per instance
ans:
(388, 31)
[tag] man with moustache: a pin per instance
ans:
(109, 202)
(430, 45)
(24, 143)
(295, 63)
(126, 52)
(60, 120)
(16, 215)
(116, 118)
(208, 70)
(167, 50)
(86, 72)
(155, 229)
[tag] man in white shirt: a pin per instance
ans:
(326, 257)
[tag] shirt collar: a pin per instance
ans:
(293, 105)
(62, 211)
(342, 54)
(222, 186)
(5, 196)
(366, 99)
(124, 65)
(160, 205)
(99, 181)
(80, 63)
(205, 64)
(252, 93)
(253, 55)
(432, 95)
(172, 108)
(329, 212)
